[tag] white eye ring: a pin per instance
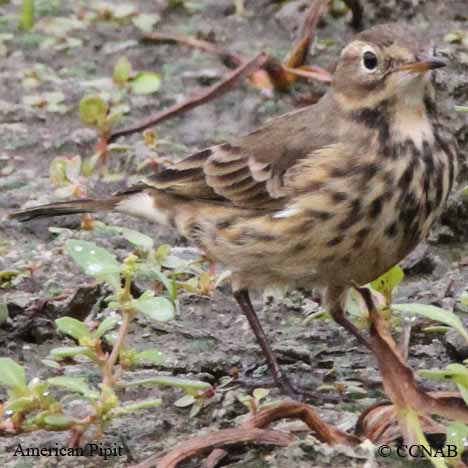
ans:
(369, 61)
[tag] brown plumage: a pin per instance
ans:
(329, 195)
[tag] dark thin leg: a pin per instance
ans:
(337, 313)
(242, 298)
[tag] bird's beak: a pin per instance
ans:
(424, 64)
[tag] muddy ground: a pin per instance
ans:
(209, 338)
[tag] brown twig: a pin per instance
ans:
(222, 438)
(398, 378)
(274, 74)
(253, 430)
(298, 52)
(405, 340)
(314, 73)
(357, 12)
(215, 457)
(294, 410)
(379, 424)
(230, 59)
(213, 91)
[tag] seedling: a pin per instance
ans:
(26, 19)
(32, 406)
(141, 82)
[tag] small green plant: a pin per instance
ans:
(383, 289)
(96, 112)
(254, 402)
(142, 82)
(26, 19)
(32, 405)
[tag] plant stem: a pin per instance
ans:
(112, 359)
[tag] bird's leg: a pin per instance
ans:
(243, 299)
(338, 314)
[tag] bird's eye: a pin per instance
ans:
(370, 60)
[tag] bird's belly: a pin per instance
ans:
(358, 245)
(336, 240)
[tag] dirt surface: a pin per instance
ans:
(209, 337)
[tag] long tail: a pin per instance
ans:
(87, 205)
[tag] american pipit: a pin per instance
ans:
(329, 195)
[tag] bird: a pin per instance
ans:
(331, 195)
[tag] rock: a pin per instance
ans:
(442, 235)
(82, 302)
(456, 345)
(291, 16)
(418, 261)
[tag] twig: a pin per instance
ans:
(112, 359)
(215, 457)
(230, 59)
(405, 340)
(294, 410)
(213, 91)
(314, 73)
(398, 378)
(357, 11)
(222, 438)
(279, 75)
(298, 52)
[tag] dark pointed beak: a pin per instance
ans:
(423, 64)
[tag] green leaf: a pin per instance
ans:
(146, 83)
(93, 111)
(57, 171)
(26, 20)
(137, 238)
(65, 352)
(153, 356)
(260, 393)
(138, 406)
(3, 312)
(434, 313)
(12, 375)
(52, 364)
(154, 308)
(107, 325)
(146, 22)
(162, 252)
(58, 421)
(73, 327)
(387, 282)
(186, 400)
(461, 108)
(457, 373)
(457, 434)
(122, 10)
(155, 273)
(20, 404)
(95, 261)
(75, 385)
(122, 70)
(192, 387)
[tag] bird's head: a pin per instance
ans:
(386, 62)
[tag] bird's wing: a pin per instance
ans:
(249, 171)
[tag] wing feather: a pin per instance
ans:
(250, 171)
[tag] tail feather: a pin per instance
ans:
(87, 205)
